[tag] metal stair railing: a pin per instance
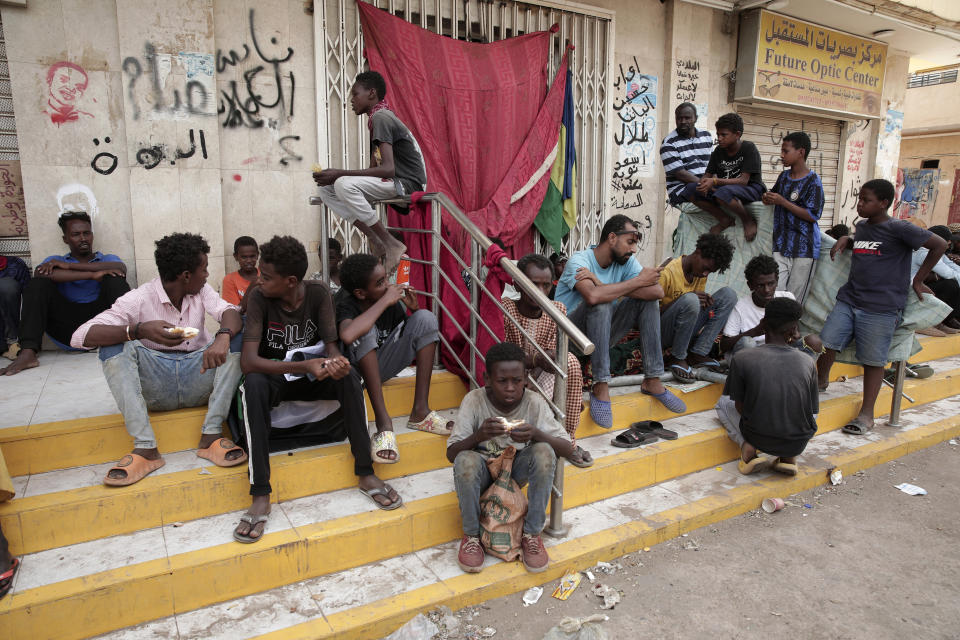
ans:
(479, 244)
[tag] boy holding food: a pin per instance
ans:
(157, 355)
(503, 414)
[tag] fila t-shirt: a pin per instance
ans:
(880, 267)
(279, 330)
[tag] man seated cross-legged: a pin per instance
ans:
(283, 313)
(152, 360)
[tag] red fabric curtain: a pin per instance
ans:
(486, 125)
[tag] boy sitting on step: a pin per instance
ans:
(770, 400)
(380, 340)
(284, 312)
(480, 435)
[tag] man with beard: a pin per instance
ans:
(66, 291)
(607, 293)
(685, 153)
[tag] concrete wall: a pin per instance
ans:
(934, 106)
(199, 115)
(946, 148)
(182, 124)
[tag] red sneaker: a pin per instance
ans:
(535, 557)
(470, 557)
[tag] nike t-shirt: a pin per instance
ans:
(880, 267)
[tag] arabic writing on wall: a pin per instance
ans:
(635, 137)
(687, 76)
(854, 170)
(13, 212)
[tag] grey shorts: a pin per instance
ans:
(400, 347)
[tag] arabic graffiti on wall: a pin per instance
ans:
(13, 212)
(66, 84)
(689, 87)
(809, 65)
(888, 146)
(635, 134)
(916, 192)
(854, 170)
(180, 86)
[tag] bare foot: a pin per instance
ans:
(394, 250)
(386, 454)
(26, 359)
(373, 482)
(719, 228)
(601, 391)
(747, 452)
(259, 507)
(149, 454)
(749, 229)
(653, 386)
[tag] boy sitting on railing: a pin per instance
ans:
(480, 434)
(396, 169)
(380, 339)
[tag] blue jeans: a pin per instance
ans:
(872, 331)
(142, 379)
(606, 323)
(533, 465)
(684, 321)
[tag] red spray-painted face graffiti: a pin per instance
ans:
(66, 83)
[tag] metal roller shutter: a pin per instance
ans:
(766, 128)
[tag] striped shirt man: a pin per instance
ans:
(691, 154)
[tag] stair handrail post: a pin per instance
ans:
(901, 370)
(474, 301)
(555, 528)
(435, 221)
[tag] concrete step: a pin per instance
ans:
(372, 600)
(82, 589)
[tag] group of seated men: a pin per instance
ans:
(290, 339)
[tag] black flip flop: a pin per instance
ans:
(654, 427)
(631, 439)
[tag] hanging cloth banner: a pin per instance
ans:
(487, 127)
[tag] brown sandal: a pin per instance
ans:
(135, 466)
(217, 453)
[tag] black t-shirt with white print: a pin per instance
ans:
(279, 330)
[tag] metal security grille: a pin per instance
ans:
(931, 78)
(343, 141)
(9, 149)
(766, 128)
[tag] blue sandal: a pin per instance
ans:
(682, 373)
(667, 399)
(601, 412)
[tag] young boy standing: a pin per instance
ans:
(733, 178)
(797, 199)
(770, 400)
(480, 435)
(396, 169)
(246, 253)
(870, 303)
(285, 313)
(690, 318)
(380, 339)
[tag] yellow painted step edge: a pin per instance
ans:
(378, 619)
(118, 598)
(72, 443)
(89, 513)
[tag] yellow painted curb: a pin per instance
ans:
(72, 443)
(111, 599)
(377, 619)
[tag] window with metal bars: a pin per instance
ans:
(18, 246)
(931, 78)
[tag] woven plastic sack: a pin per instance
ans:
(502, 509)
